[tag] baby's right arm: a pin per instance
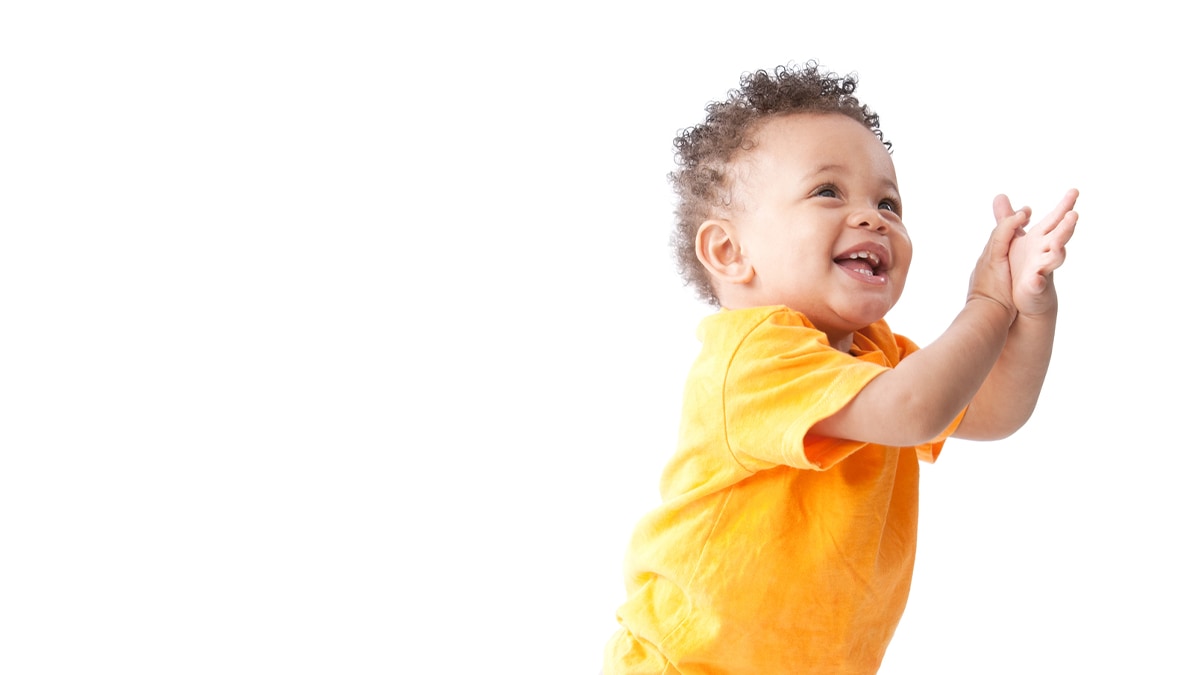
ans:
(923, 394)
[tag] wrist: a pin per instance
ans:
(1047, 315)
(1043, 308)
(994, 307)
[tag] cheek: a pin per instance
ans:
(900, 270)
(904, 252)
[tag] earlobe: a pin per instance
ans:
(721, 253)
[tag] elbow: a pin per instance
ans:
(922, 430)
(926, 420)
(980, 427)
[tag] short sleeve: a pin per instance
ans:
(782, 379)
(928, 452)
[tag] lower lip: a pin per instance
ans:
(878, 279)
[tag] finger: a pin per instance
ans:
(1050, 261)
(1060, 210)
(1062, 233)
(1001, 207)
(1006, 230)
(1018, 220)
(1055, 251)
(1068, 200)
(1066, 228)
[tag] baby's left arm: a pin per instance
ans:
(1008, 396)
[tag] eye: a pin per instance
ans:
(826, 191)
(889, 205)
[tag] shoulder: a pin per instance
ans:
(730, 329)
(768, 346)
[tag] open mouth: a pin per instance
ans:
(862, 262)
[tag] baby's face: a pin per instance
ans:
(817, 211)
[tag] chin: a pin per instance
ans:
(864, 319)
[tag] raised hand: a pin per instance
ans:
(1036, 252)
(992, 278)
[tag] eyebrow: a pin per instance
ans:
(826, 167)
(838, 167)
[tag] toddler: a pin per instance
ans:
(787, 531)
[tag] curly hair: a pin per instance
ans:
(705, 152)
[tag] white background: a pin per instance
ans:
(338, 337)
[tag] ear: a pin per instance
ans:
(720, 252)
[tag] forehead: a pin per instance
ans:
(811, 141)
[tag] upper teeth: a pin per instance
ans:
(869, 257)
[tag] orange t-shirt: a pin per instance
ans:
(774, 551)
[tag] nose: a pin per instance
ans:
(869, 219)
